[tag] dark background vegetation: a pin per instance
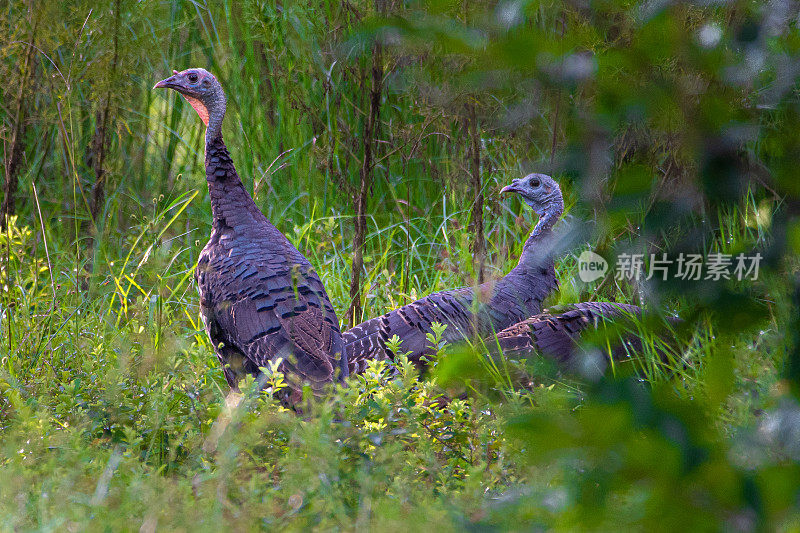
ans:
(376, 135)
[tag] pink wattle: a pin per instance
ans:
(199, 107)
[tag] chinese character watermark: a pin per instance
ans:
(715, 266)
(629, 266)
(691, 267)
(661, 265)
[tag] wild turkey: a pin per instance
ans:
(500, 303)
(555, 333)
(260, 299)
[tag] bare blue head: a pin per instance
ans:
(543, 195)
(540, 192)
(202, 90)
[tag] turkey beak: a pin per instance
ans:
(169, 83)
(509, 189)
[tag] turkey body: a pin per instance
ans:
(467, 312)
(260, 299)
(261, 302)
(556, 335)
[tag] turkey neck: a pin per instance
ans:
(536, 263)
(231, 205)
(536, 250)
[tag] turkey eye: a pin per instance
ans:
(192, 77)
(535, 182)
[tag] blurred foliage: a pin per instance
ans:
(672, 127)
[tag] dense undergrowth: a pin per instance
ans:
(119, 415)
(114, 413)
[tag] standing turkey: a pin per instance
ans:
(260, 299)
(499, 304)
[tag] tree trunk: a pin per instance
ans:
(476, 218)
(367, 171)
(100, 137)
(557, 97)
(98, 149)
(98, 158)
(15, 154)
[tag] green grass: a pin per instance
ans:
(115, 406)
